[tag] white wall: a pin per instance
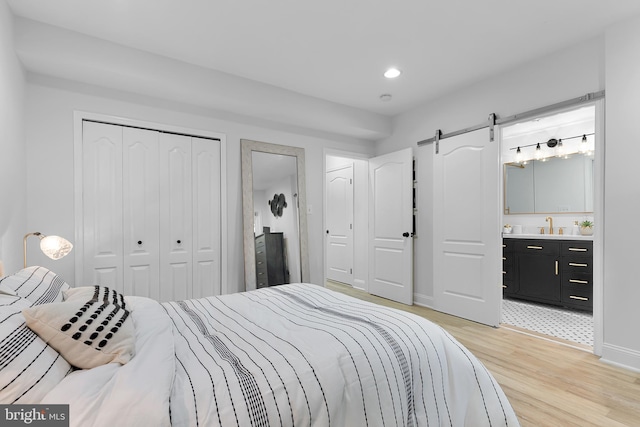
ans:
(50, 105)
(563, 75)
(622, 195)
(13, 201)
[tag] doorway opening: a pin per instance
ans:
(551, 204)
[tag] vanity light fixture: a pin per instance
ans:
(392, 73)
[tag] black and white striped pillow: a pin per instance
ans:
(92, 327)
(37, 284)
(29, 368)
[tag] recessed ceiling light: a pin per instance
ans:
(385, 97)
(392, 73)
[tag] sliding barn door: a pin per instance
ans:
(467, 267)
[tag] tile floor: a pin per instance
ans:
(576, 326)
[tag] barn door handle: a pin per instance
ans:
(405, 234)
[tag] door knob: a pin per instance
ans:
(179, 241)
(405, 234)
(139, 242)
(327, 231)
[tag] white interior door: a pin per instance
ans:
(175, 218)
(339, 187)
(466, 228)
(102, 205)
(206, 157)
(391, 226)
(141, 194)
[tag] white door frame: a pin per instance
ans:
(78, 117)
(598, 214)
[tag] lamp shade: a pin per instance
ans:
(55, 247)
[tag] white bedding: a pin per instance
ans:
(282, 356)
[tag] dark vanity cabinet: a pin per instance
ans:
(558, 272)
(270, 260)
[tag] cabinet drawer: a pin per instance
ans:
(577, 265)
(580, 297)
(543, 247)
(578, 279)
(507, 245)
(577, 248)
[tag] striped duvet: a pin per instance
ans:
(306, 356)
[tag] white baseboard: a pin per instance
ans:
(621, 357)
(360, 284)
(423, 300)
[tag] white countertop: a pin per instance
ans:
(546, 236)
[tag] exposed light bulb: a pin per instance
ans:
(518, 155)
(559, 148)
(538, 154)
(583, 144)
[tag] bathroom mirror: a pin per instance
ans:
(274, 206)
(556, 185)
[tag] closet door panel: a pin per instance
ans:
(141, 212)
(206, 217)
(176, 214)
(102, 205)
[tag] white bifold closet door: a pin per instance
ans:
(151, 209)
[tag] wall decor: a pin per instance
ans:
(277, 204)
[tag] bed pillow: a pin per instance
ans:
(29, 368)
(92, 327)
(37, 284)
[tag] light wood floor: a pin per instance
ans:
(547, 383)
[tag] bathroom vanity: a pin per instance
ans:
(554, 269)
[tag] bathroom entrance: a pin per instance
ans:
(551, 204)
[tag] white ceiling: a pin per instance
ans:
(337, 50)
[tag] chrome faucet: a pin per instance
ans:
(550, 221)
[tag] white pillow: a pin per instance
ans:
(37, 284)
(29, 368)
(92, 327)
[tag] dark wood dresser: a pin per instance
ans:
(270, 260)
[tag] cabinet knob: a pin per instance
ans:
(139, 242)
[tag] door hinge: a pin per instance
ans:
(351, 271)
(437, 140)
(350, 226)
(350, 181)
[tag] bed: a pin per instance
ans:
(288, 355)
